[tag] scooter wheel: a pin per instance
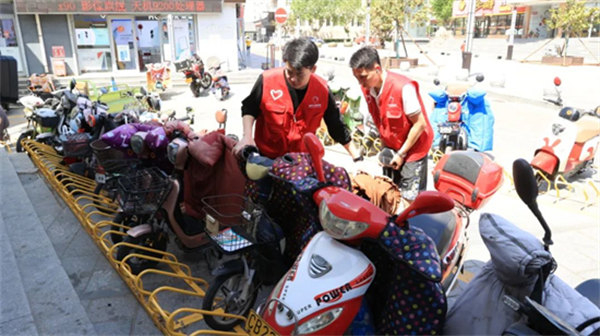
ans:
(153, 240)
(225, 293)
(24, 136)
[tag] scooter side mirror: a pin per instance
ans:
(316, 151)
(436, 82)
(479, 78)
(72, 84)
(426, 202)
(527, 189)
(557, 81)
(221, 116)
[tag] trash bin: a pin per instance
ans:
(9, 80)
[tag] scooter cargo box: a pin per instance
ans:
(469, 177)
(47, 117)
(182, 65)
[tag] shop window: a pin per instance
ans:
(8, 40)
(93, 45)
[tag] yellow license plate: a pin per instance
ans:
(188, 80)
(256, 326)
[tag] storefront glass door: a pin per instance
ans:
(123, 41)
(148, 41)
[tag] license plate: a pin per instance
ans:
(100, 178)
(445, 129)
(256, 326)
(188, 80)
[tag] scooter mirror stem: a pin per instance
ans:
(316, 151)
(527, 189)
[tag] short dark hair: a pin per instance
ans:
(365, 57)
(301, 53)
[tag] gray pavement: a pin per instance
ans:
(54, 280)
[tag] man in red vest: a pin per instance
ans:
(288, 102)
(397, 109)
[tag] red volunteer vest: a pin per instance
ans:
(278, 129)
(391, 121)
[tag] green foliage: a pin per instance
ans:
(316, 12)
(572, 18)
(384, 13)
(442, 9)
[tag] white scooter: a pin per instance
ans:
(571, 144)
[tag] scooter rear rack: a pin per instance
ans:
(165, 304)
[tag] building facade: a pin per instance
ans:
(493, 18)
(83, 36)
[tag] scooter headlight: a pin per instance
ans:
(337, 227)
(320, 322)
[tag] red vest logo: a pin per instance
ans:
(315, 103)
(276, 94)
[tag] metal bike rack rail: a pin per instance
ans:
(77, 192)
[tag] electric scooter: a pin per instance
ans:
(515, 293)
(571, 144)
(463, 117)
(335, 277)
(203, 166)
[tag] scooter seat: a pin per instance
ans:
(456, 89)
(587, 128)
(439, 227)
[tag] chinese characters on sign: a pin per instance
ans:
(119, 6)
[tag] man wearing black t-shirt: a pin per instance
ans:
(288, 102)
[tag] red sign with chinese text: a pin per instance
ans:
(119, 6)
(58, 51)
(460, 8)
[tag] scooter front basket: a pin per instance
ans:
(143, 191)
(235, 223)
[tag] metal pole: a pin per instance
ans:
(368, 23)
(41, 40)
(511, 35)
(470, 26)
(466, 55)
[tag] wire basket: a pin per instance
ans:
(77, 145)
(121, 166)
(234, 223)
(143, 191)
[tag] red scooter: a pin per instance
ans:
(195, 76)
(323, 291)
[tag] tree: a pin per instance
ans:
(442, 9)
(390, 15)
(317, 11)
(572, 19)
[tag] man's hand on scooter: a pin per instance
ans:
(245, 141)
(397, 161)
